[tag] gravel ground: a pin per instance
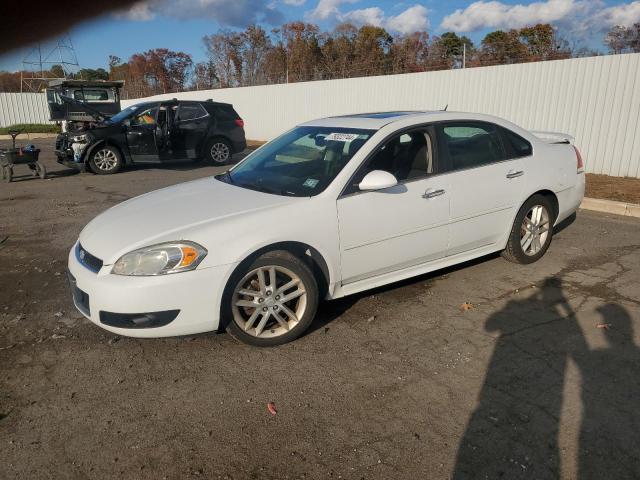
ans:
(537, 378)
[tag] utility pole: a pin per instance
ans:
(464, 55)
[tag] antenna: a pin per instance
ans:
(36, 66)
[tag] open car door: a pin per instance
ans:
(142, 136)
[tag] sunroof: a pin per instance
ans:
(382, 114)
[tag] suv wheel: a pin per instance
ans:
(105, 160)
(219, 151)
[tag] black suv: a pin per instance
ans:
(153, 132)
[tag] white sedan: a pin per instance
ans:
(330, 208)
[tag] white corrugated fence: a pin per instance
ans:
(595, 99)
(18, 108)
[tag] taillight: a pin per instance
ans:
(240, 122)
(580, 161)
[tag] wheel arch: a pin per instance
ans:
(551, 196)
(545, 193)
(305, 252)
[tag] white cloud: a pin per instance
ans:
(625, 14)
(366, 16)
(493, 14)
(575, 16)
(328, 9)
(238, 13)
(413, 19)
(140, 12)
(295, 3)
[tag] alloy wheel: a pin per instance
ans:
(534, 230)
(105, 160)
(220, 152)
(269, 301)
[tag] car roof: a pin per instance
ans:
(176, 101)
(377, 120)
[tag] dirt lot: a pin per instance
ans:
(540, 379)
(613, 188)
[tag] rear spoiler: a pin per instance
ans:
(554, 137)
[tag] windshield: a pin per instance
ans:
(126, 113)
(300, 163)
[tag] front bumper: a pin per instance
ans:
(195, 295)
(65, 157)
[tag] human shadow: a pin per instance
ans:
(513, 433)
(610, 430)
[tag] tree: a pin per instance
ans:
(622, 39)
(255, 45)
(543, 43)
(224, 51)
(91, 74)
(410, 53)
(303, 53)
(371, 48)
(499, 48)
(57, 71)
(449, 49)
(337, 50)
(204, 76)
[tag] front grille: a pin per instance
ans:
(85, 258)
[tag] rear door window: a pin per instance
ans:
(191, 111)
(471, 144)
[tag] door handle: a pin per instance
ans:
(432, 193)
(515, 174)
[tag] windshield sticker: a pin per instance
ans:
(310, 182)
(342, 137)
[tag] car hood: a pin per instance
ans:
(164, 214)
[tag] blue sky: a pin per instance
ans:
(181, 24)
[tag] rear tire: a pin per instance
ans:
(272, 301)
(219, 151)
(532, 231)
(106, 160)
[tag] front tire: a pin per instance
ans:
(106, 160)
(271, 302)
(219, 151)
(532, 231)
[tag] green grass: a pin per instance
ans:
(32, 128)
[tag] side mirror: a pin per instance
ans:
(377, 180)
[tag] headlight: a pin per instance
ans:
(162, 259)
(80, 138)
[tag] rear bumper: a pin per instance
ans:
(239, 146)
(149, 307)
(569, 200)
